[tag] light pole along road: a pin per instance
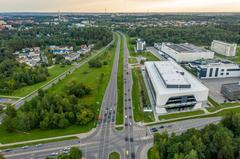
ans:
(129, 142)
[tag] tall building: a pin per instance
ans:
(215, 69)
(140, 45)
(186, 52)
(224, 48)
(173, 89)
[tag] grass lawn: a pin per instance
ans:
(114, 155)
(39, 142)
(7, 137)
(119, 114)
(139, 95)
(235, 59)
(96, 78)
(132, 60)
(179, 115)
(53, 71)
(224, 105)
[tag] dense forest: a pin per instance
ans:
(43, 36)
(221, 141)
(199, 35)
(51, 111)
(14, 75)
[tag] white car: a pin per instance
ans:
(125, 116)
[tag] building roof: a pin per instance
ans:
(185, 48)
(169, 77)
(214, 63)
(224, 43)
(232, 87)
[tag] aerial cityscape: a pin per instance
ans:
(120, 79)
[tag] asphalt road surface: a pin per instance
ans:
(106, 139)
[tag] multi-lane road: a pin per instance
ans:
(129, 142)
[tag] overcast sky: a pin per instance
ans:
(120, 5)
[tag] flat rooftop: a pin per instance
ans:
(211, 63)
(169, 77)
(185, 48)
(232, 87)
(172, 76)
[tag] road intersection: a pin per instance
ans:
(129, 142)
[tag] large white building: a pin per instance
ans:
(140, 45)
(186, 52)
(224, 48)
(215, 69)
(173, 89)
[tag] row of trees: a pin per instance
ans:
(51, 111)
(45, 35)
(199, 35)
(14, 75)
(220, 141)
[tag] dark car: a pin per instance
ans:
(131, 139)
(133, 155)
(154, 129)
(126, 138)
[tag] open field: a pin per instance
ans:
(114, 155)
(235, 59)
(119, 114)
(140, 98)
(39, 142)
(53, 72)
(7, 137)
(178, 115)
(132, 60)
(96, 78)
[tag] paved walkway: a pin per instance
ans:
(194, 116)
(144, 152)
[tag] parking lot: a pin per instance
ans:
(215, 85)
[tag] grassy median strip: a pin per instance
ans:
(114, 155)
(38, 142)
(119, 115)
(96, 78)
(140, 98)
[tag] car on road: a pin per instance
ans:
(125, 116)
(126, 138)
(130, 124)
(38, 145)
(161, 127)
(133, 155)
(154, 129)
(25, 147)
(131, 139)
(126, 152)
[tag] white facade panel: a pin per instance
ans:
(223, 48)
(188, 55)
(163, 95)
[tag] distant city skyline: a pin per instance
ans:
(120, 5)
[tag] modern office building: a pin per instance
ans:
(215, 69)
(140, 45)
(231, 91)
(186, 52)
(224, 48)
(173, 89)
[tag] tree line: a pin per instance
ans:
(14, 75)
(198, 35)
(51, 111)
(220, 141)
